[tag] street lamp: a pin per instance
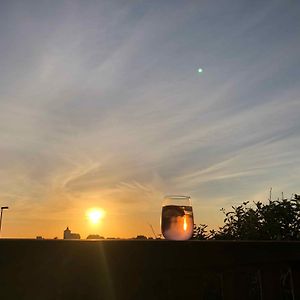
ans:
(2, 208)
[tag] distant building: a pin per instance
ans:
(141, 237)
(68, 235)
(95, 237)
(39, 237)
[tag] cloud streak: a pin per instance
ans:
(102, 105)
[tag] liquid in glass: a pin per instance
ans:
(177, 222)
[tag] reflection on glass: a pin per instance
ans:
(177, 220)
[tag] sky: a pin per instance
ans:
(102, 105)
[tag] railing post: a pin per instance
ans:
(295, 272)
(241, 284)
(270, 284)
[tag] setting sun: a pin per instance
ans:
(95, 215)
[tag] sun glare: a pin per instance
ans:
(95, 215)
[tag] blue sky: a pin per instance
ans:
(101, 105)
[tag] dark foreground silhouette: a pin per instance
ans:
(133, 269)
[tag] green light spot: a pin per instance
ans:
(200, 70)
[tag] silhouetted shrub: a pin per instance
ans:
(276, 220)
(200, 232)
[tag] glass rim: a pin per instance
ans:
(179, 197)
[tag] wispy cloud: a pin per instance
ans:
(101, 104)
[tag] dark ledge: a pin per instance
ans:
(149, 269)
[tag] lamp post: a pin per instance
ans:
(2, 208)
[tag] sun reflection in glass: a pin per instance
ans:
(184, 223)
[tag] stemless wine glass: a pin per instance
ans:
(177, 221)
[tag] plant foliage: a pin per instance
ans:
(275, 220)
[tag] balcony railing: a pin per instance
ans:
(145, 269)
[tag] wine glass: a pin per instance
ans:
(177, 221)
